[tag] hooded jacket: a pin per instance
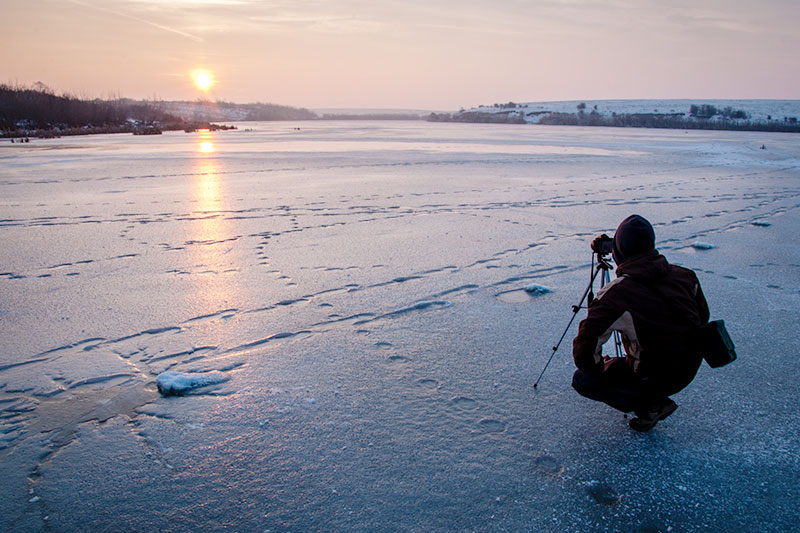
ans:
(657, 307)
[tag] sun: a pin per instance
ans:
(202, 79)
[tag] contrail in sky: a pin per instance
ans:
(132, 17)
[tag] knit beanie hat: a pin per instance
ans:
(635, 235)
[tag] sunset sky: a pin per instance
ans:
(421, 54)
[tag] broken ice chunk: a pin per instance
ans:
(534, 289)
(177, 383)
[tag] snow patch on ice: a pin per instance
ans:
(176, 383)
(702, 245)
(534, 289)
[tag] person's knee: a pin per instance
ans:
(581, 382)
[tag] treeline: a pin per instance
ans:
(220, 110)
(24, 109)
(274, 112)
(38, 112)
(699, 119)
(370, 116)
(478, 117)
(666, 121)
(708, 111)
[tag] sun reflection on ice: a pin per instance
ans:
(210, 241)
(208, 186)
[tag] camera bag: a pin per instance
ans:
(715, 344)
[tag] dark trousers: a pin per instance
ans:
(616, 386)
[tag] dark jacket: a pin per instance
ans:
(656, 307)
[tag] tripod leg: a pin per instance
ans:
(618, 351)
(575, 310)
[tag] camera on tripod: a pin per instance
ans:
(602, 245)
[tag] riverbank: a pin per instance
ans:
(730, 115)
(53, 133)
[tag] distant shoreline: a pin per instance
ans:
(729, 115)
(38, 112)
(54, 133)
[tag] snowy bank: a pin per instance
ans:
(745, 115)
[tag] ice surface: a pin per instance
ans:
(361, 294)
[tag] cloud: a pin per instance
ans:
(708, 19)
(210, 16)
(475, 29)
(138, 19)
(193, 3)
(319, 22)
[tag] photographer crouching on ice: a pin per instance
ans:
(655, 307)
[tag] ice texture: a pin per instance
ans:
(368, 299)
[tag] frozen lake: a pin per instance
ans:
(352, 296)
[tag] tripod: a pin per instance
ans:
(603, 265)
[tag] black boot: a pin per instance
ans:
(646, 420)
